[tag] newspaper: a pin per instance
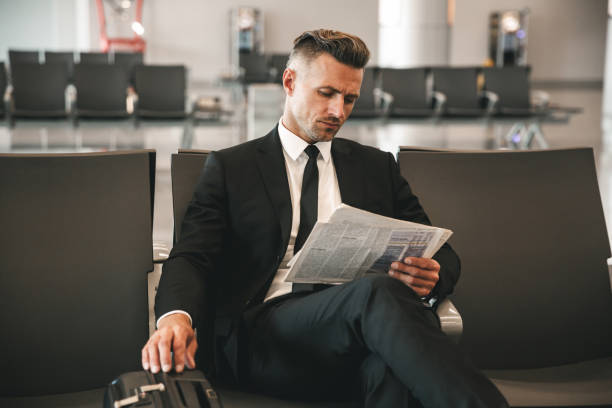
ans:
(355, 242)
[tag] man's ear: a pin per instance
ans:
(289, 81)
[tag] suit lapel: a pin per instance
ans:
(349, 172)
(271, 164)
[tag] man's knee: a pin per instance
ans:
(373, 284)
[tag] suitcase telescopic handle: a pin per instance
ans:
(140, 394)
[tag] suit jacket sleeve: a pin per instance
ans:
(189, 270)
(408, 208)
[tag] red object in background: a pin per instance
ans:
(136, 43)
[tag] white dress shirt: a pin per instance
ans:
(329, 199)
(329, 195)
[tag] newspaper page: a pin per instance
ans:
(354, 242)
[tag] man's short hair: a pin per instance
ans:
(345, 48)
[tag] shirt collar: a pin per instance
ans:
(295, 145)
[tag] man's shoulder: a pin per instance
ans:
(351, 147)
(246, 148)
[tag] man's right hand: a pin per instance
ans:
(174, 334)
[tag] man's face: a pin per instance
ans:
(321, 94)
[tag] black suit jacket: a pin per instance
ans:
(236, 229)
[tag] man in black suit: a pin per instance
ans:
(252, 209)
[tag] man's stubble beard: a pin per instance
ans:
(318, 134)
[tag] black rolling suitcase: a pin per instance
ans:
(143, 389)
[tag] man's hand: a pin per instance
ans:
(175, 334)
(420, 274)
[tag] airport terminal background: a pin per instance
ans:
(566, 51)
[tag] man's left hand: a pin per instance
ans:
(420, 274)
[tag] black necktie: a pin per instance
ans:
(310, 197)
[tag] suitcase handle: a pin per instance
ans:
(140, 393)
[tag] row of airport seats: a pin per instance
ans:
(126, 60)
(262, 68)
(534, 294)
(97, 87)
(458, 92)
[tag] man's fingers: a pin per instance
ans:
(145, 358)
(174, 335)
(413, 281)
(153, 354)
(178, 346)
(165, 356)
(425, 274)
(190, 353)
(423, 263)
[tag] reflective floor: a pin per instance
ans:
(584, 129)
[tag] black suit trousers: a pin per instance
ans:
(370, 339)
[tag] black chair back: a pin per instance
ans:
(101, 90)
(409, 90)
(128, 61)
(94, 58)
(256, 69)
(3, 85)
(23, 57)
(278, 63)
(62, 57)
(39, 89)
(530, 231)
(511, 84)
(161, 90)
(460, 86)
(366, 105)
(76, 249)
(186, 168)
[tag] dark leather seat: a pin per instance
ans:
(76, 250)
(535, 290)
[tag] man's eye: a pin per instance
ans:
(325, 93)
(349, 100)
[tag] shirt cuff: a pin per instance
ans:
(174, 312)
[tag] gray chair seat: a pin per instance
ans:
(83, 399)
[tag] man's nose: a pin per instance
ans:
(336, 107)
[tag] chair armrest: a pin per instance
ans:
(70, 95)
(450, 319)
(439, 100)
(160, 252)
(131, 100)
(7, 100)
(492, 99)
(540, 99)
(384, 100)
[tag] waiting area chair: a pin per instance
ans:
(101, 91)
(62, 57)
(535, 290)
(511, 88)
(161, 91)
(94, 58)
(254, 69)
(459, 92)
(277, 64)
(409, 90)
(128, 61)
(23, 57)
(76, 249)
(3, 86)
(39, 91)
(369, 104)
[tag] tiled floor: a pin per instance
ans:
(584, 129)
